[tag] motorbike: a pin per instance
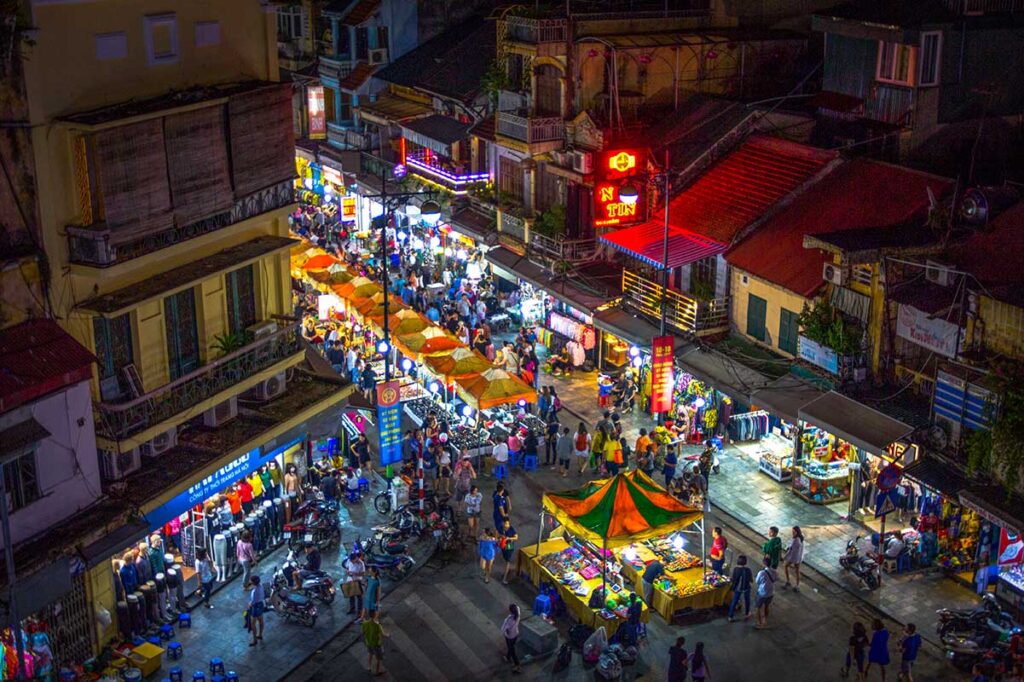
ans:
(864, 567)
(965, 621)
(290, 605)
(443, 531)
(316, 522)
(386, 536)
(317, 584)
(383, 502)
(395, 562)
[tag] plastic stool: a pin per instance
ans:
(218, 678)
(232, 676)
(166, 632)
(903, 562)
(155, 641)
(136, 641)
(176, 674)
(352, 496)
(542, 605)
(364, 486)
(199, 676)
(184, 620)
(174, 651)
(500, 471)
(530, 463)
(216, 666)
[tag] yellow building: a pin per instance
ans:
(164, 158)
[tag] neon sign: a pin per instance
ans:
(610, 210)
(622, 162)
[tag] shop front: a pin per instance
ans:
(999, 553)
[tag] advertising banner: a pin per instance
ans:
(661, 374)
(1011, 548)
(389, 422)
(317, 114)
(933, 333)
(816, 354)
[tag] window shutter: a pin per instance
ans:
(757, 309)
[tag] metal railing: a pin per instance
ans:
(534, 31)
(530, 129)
(985, 6)
(97, 246)
(351, 139)
(118, 421)
(682, 312)
(562, 249)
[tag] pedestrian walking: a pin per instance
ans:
(373, 638)
(581, 446)
(488, 549)
(372, 594)
(910, 644)
(444, 476)
(502, 505)
(612, 455)
(669, 468)
(597, 447)
(773, 547)
(564, 449)
(855, 651)
(246, 556)
(766, 579)
(473, 502)
(878, 652)
(465, 474)
(718, 547)
(510, 630)
(678, 661)
(257, 605)
(551, 440)
(795, 557)
(742, 578)
(699, 668)
(507, 542)
(204, 566)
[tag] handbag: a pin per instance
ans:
(352, 588)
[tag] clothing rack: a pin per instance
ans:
(752, 413)
(748, 426)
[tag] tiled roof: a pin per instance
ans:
(359, 75)
(994, 256)
(485, 129)
(450, 65)
(360, 12)
(858, 194)
(743, 186)
(37, 358)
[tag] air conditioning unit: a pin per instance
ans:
(262, 329)
(221, 413)
(160, 444)
(267, 390)
(939, 273)
(379, 56)
(836, 274)
(114, 466)
(561, 159)
(945, 434)
(582, 162)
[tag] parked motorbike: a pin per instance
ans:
(315, 521)
(966, 621)
(386, 536)
(395, 562)
(317, 584)
(290, 605)
(864, 567)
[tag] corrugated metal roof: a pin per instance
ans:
(435, 132)
(646, 242)
(360, 12)
(37, 358)
(390, 108)
(359, 75)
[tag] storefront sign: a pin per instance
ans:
(611, 211)
(933, 333)
(333, 176)
(1011, 548)
(348, 208)
(818, 355)
(661, 374)
(212, 484)
(389, 422)
(889, 477)
(317, 114)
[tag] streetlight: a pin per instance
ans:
(430, 212)
(628, 194)
(383, 347)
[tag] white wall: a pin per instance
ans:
(66, 462)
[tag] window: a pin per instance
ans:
(703, 277)
(757, 309)
(382, 37)
(330, 105)
(549, 191)
(113, 343)
(894, 63)
(111, 46)
(344, 50)
(241, 296)
(516, 66)
(207, 33)
(161, 31)
(182, 333)
(21, 481)
(788, 331)
(931, 51)
(289, 23)
(510, 177)
(345, 112)
(362, 44)
(548, 87)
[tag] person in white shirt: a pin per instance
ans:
(510, 629)
(795, 557)
(500, 452)
(895, 545)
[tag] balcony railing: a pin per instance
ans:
(96, 246)
(455, 179)
(530, 130)
(348, 138)
(985, 6)
(118, 421)
(559, 249)
(683, 313)
(534, 31)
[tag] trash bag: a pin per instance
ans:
(564, 658)
(594, 645)
(578, 634)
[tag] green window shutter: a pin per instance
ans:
(757, 310)
(788, 330)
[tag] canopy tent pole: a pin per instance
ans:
(604, 569)
(703, 546)
(540, 532)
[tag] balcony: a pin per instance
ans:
(547, 36)
(118, 421)
(347, 138)
(96, 246)
(444, 173)
(555, 250)
(683, 313)
(532, 130)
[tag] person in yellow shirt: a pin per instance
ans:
(643, 441)
(257, 485)
(612, 455)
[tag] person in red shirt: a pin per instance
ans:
(718, 548)
(245, 494)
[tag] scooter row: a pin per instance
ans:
(978, 636)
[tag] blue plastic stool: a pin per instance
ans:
(136, 641)
(903, 562)
(155, 641)
(542, 605)
(167, 632)
(176, 674)
(199, 676)
(184, 620)
(352, 496)
(530, 463)
(218, 678)
(232, 676)
(364, 486)
(216, 666)
(174, 651)
(500, 471)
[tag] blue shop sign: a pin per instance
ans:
(214, 483)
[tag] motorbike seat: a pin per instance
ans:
(298, 599)
(395, 548)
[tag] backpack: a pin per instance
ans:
(581, 441)
(564, 658)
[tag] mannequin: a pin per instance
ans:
(138, 619)
(124, 619)
(275, 476)
(179, 590)
(270, 514)
(129, 577)
(173, 582)
(160, 579)
(220, 545)
(279, 507)
(148, 590)
(224, 514)
(156, 553)
(142, 566)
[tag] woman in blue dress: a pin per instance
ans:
(878, 654)
(488, 550)
(371, 597)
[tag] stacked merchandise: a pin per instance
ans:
(575, 567)
(711, 581)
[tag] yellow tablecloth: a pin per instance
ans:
(666, 604)
(577, 605)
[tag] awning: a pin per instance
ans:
(992, 503)
(390, 109)
(936, 475)
(723, 373)
(785, 396)
(437, 133)
(474, 224)
(646, 242)
(564, 291)
(356, 77)
(21, 435)
(627, 327)
(854, 422)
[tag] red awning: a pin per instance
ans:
(646, 242)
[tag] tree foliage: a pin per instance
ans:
(1000, 451)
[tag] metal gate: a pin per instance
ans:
(70, 624)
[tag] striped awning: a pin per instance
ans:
(646, 242)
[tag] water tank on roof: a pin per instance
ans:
(981, 204)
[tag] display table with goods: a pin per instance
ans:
(575, 571)
(500, 421)
(685, 583)
(775, 457)
(822, 482)
(1010, 586)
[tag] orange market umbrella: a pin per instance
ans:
(493, 387)
(414, 343)
(319, 262)
(459, 363)
(374, 305)
(357, 287)
(405, 321)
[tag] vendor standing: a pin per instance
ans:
(653, 571)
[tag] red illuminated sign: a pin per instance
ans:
(610, 210)
(622, 162)
(616, 166)
(317, 113)
(661, 374)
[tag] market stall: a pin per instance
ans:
(493, 387)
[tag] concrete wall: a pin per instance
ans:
(777, 298)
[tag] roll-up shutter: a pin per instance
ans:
(197, 163)
(133, 178)
(262, 139)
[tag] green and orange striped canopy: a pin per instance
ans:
(620, 510)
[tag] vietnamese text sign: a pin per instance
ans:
(933, 333)
(389, 422)
(317, 114)
(661, 374)
(819, 355)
